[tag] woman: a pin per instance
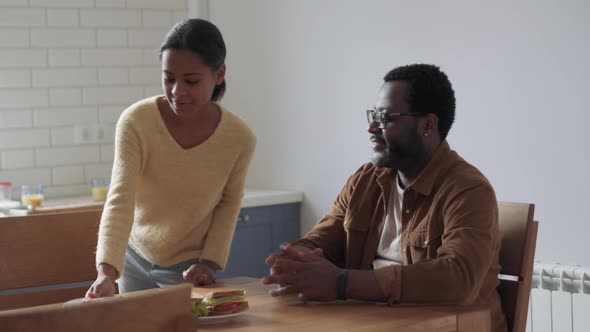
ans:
(178, 174)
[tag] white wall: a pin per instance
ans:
(68, 63)
(303, 72)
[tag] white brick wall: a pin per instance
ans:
(98, 171)
(65, 96)
(113, 76)
(63, 116)
(68, 175)
(15, 3)
(61, 3)
(63, 191)
(179, 15)
(23, 98)
(145, 37)
(114, 95)
(14, 37)
(110, 18)
(157, 4)
(65, 57)
(18, 159)
(110, 3)
(27, 176)
(107, 153)
(69, 63)
(111, 57)
(62, 17)
(145, 75)
(152, 90)
(151, 56)
(112, 37)
(108, 133)
(15, 78)
(16, 119)
(110, 113)
(29, 138)
(63, 37)
(67, 155)
(22, 17)
(156, 18)
(23, 57)
(69, 77)
(62, 136)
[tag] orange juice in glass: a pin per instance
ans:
(32, 195)
(100, 189)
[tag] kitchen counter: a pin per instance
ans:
(252, 198)
(263, 197)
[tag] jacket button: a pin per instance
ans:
(426, 242)
(407, 210)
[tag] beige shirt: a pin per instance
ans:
(389, 251)
(450, 234)
(173, 204)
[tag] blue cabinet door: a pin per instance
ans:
(251, 245)
(284, 224)
(259, 232)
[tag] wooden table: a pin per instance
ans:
(267, 313)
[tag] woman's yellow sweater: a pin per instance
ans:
(173, 204)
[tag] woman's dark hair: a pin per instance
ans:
(203, 38)
(430, 91)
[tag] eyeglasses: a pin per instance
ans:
(383, 118)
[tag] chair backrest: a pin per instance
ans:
(152, 310)
(47, 250)
(519, 237)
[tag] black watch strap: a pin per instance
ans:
(341, 284)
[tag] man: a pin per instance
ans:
(417, 225)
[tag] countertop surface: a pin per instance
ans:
(252, 198)
(261, 197)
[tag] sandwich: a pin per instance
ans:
(218, 303)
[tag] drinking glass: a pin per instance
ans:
(100, 188)
(32, 194)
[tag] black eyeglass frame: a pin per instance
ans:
(383, 118)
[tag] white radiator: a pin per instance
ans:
(560, 298)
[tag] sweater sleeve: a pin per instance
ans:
(118, 213)
(220, 235)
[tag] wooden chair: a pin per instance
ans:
(152, 310)
(516, 259)
(47, 251)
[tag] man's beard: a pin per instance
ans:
(399, 157)
(389, 157)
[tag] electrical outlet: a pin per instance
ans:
(82, 134)
(92, 134)
(97, 133)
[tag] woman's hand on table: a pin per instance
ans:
(104, 285)
(202, 273)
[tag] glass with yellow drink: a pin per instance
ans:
(100, 188)
(32, 195)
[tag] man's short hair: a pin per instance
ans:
(430, 91)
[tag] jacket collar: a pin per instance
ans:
(423, 184)
(443, 156)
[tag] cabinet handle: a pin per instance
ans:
(243, 218)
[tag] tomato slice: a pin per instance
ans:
(225, 307)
